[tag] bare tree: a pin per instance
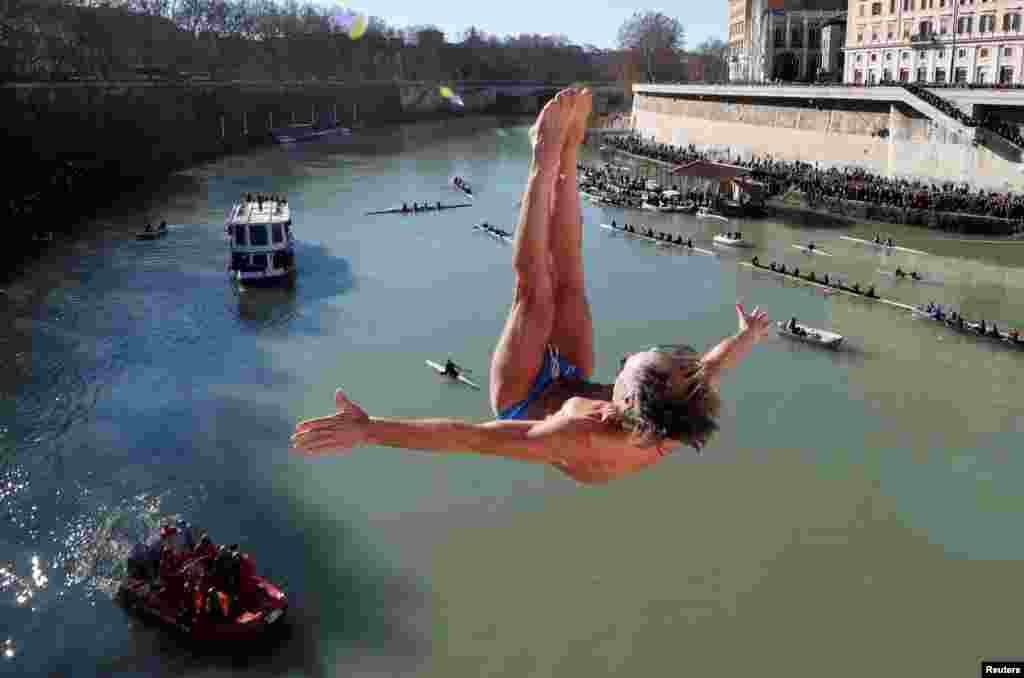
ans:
(649, 33)
(716, 59)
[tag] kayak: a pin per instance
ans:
(812, 336)
(655, 240)
(808, 250)
(888, 248)
(722, 239)
(428, 208)
(500, 236)
(440, 370)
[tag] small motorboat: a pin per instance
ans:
(810, 335)
(706, 213)
(150, 233)
(209, 594)
(727, 240)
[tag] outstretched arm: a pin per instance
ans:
(753, 327)
(581, 448)
(350, 427)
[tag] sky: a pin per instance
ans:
(595, 23)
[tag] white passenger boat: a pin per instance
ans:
(262, 245)
(723, 239)
(810, 335)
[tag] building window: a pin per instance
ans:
(983, 53)
(922, 75)
(858, 76)
(940, 75)
(906, 5)
(942, 53)
(980, 76)
(1007, 51)
(960, 75)
(961, 53)
(906, 56)
(780, 37)
(860, 37)
(922, 54)
(943, 26)
(1011, 22)
(813, 36)
(925, 29)
(876, 9)
(892, 6)
(860, 58)
(1005, 75)
(889, 36)
(874, 58)
(861, 12)
(964, 25)
(796, 37)
(987, 23)
(888, 56)
(874, 37)
(886, 75)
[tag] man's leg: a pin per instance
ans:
(573, 331)
(519, 354)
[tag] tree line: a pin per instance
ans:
(283, 40)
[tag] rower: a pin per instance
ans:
(796, 272)
(689, 243)
(914, 275)
(878, 241)
(825, 279)
(438, 204)
(450, 369)
(754, 260)
(900, 273)
(810, 247)
(890, 243)
(613, 224)
(163, 225)
(782, 268)
(405, 207)
(871, 291)
(149, 228)
(792, 326)
(981, 326)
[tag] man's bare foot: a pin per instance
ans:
(577, 127)
(548, 134)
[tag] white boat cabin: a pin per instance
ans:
(262, 245)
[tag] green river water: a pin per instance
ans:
(859, 515)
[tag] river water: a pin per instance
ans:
(859, 514)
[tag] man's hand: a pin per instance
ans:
(347, 428)
(754, 324)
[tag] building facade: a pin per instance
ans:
(740, 12)
(791, 43)
(935, 41)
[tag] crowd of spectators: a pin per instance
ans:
(842, 183)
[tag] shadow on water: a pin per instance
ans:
(320, 276)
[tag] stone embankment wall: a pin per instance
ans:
(828, 133)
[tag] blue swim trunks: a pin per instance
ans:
(554, 368)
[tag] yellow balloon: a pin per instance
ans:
(358, 27)
(447, 92)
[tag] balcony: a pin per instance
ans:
(924, 37)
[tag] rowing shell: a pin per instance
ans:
(431, 208)
(888, 248)
(807, 250)
(440, 370)
(656, 241)
(465, 189)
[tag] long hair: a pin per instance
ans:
(674, 405)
